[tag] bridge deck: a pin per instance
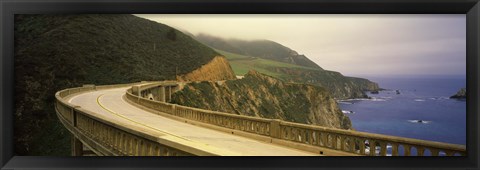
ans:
(110, 103)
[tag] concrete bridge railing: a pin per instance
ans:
(112, 138)
(302, 136)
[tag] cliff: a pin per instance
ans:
(264, 55)
(217, 69)
(341, 87)
(264, 96)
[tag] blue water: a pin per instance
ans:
(420, 98)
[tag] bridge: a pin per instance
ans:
(137, 119)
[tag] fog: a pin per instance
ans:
(351, 44)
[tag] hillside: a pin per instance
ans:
(259, 48)
(340, 86)
(54, 52)
(241, 64)
(264, 96)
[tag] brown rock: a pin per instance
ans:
(215, 70)
(260, 95)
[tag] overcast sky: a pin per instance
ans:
(350, 44)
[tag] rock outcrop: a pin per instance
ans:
(264, 96)
(461, 94)
(217, 69)
(341, 87)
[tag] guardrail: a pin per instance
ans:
(349, 141)
(112, 138)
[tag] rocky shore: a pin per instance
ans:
(461, 94)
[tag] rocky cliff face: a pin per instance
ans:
(340, 86)
(264, 96)
(217, 69)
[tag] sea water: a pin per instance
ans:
(421, 98)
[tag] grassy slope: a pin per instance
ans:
(340, 86)
(241, 64)
(54, 52)
(258, 48)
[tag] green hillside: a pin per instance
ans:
(258, 48)
(340, 86)
(54, 52)
(241, 64)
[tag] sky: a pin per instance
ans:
(376, 44)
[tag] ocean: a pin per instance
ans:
(421, 98)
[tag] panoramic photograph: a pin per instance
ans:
(240, 85)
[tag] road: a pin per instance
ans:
(110, 103)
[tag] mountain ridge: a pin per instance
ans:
(258, 48)
(342, 87)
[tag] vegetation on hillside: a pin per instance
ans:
(54, 52)
(241, 64)
(259, 48)
(276, 60)
(341, 87)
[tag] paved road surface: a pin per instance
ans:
(111, 103)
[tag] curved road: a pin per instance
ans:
(111, 103)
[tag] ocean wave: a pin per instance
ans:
(367, 150)
(419, 121)
(347, 112)
(377, 150)
(380, 99)
(377, 100)
(419, 100)
(342, 102)
(439, 98)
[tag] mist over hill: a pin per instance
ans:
(268, 57)
(54, 52)
(258, 48)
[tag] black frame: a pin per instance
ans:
(10, 7)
